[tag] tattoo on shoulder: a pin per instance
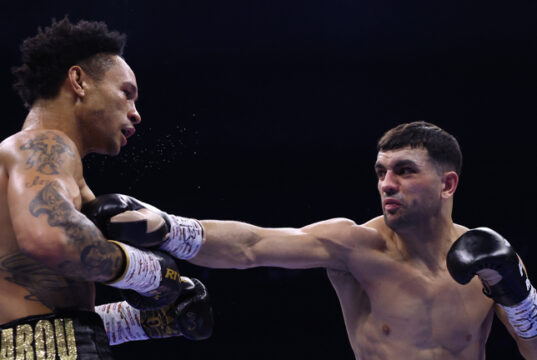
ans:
(48, 152)
(97, 256)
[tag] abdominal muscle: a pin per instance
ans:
(412, 327)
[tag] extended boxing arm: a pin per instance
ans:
(233, 244)
(223, 244)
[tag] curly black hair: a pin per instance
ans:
(47, 56)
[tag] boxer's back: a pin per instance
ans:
(28, 288)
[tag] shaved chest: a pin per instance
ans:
(395, 303)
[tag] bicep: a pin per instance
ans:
(42, 190)
(39, 204)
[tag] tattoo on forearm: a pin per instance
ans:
(48, 153)
(43, 284)
(99, 260)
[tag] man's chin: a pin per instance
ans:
(393, 221)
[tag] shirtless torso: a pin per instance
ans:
(392, 306)
(29, 160)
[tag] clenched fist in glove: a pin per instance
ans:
(190, 316)
(126, 219)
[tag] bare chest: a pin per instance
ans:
(406, 309)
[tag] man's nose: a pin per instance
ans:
(134, 116)
(389, 185)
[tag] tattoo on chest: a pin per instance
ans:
(97, 256)
(48, 152)
(43, 284)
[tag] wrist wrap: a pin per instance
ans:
(186, 237)
(121, 322)
(523, 316)
(142, 270)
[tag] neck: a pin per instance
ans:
(427, 242)
(52, 114)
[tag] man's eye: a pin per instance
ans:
(406, 170)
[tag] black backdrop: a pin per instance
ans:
(269, 111)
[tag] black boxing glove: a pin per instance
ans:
(126, 219)
(191, 316)
(484, 252)
(483, 248)
(150, 279)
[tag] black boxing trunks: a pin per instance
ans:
(65, 335)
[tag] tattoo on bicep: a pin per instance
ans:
(48, 153)
(50, 202)
(97, 256)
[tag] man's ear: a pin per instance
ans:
(76, 78)
(450, 180)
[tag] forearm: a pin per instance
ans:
(528, 348)
(88, 255)
(228, 244)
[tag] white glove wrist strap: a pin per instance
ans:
(523, 316)
(121, 322)
(186, 237)
(142, 270)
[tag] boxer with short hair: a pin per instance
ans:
(398, 298)
(81, 96)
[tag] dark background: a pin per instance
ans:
(269, 111)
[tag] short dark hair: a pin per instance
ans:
(47, 56)
(442, 147)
